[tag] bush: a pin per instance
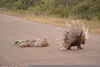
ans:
(96, 9)
(65, 12)
(17, 5)
(3, 3)
(31, 9)
(61, 11)
(22, 12)
(39, 10)
(83, 11)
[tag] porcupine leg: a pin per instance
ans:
(79, 46)
(69, 48)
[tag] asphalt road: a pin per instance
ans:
(14, 28)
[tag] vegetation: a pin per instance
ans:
(77, 9)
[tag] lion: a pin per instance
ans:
(32, 42)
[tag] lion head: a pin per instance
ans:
(43, 42)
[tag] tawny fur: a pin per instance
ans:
(32, 43)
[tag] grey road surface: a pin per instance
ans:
(14, 28)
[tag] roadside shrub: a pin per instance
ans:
(96, 9)
(17, 5)
(65, 12)
(38, 10)
(61, 11)
(83, 11)
(22, 12)
(30, 9)
(3, 3)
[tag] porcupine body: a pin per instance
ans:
(74, 36)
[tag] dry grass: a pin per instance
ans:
(94, 25)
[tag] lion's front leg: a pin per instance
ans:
(31, 41)
(23, 45)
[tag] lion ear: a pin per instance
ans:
(44, 38)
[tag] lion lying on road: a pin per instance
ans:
(32, 42)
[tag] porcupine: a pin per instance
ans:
(75, 35)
